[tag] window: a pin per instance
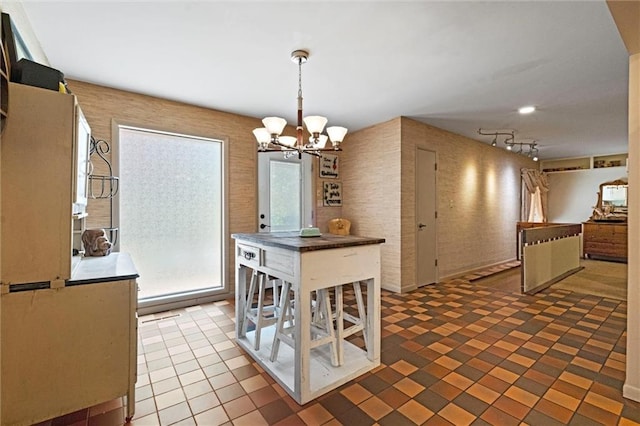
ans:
(171, 213)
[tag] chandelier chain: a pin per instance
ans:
(299, 78)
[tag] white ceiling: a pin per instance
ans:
(457, 65)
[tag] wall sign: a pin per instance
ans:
(332, 196)
(329, 166)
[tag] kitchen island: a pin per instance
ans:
(70, 347)
(309, 265)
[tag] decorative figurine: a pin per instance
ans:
(95, 243)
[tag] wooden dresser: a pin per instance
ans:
(605, 239)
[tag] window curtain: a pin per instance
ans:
(534, 195)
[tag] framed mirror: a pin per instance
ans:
(612, 202)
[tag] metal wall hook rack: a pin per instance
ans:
(104, 187)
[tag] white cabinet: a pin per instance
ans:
(68, 324)
(40, 185)
(73, 347)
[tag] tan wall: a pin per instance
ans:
(325, 214)
(478, 195)
(371, 175)
(631, 387)
(627, 18)
(101, 105)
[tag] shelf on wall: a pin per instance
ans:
(584, 163)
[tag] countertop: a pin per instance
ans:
(114, 267)
(293, 241)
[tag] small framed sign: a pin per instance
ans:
(329, 166)
(332, 196)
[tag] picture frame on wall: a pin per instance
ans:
(329, 166)
(332, 194)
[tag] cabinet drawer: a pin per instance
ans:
(279, 260)
(250, 256)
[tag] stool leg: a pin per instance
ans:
(275, 288)
(326, 311)
(315, 307)
(285, 312)
(259, 313)
(339, 324)
(362, 313)
(249, 302)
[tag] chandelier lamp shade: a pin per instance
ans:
(270, 136)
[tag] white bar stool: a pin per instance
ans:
(262, 315)
(358, 323)
(322, 329)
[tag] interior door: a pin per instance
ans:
(284, 192)
(426, 217)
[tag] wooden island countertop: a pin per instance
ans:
(293, 241)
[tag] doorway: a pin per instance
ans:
(284, 192)
(426, 218)
(170, 213)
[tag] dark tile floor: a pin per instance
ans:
(454, 353)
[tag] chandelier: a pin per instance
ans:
(530, 149)
(269, 137)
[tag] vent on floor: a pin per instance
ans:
(162, 318)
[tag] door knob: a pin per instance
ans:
(421, 225)
(262, 226)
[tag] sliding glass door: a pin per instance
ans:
(171, 213)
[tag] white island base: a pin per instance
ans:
(324, 376)
(302, 368)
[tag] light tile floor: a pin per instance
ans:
(453, 353)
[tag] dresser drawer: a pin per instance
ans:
(605, 239)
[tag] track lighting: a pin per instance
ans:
(530, 149)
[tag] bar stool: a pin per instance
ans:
(342, 226)
(322, 330)
(358, 322)
(262, 315)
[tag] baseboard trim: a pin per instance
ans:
(392, 288)
(471, 271)
(631, 392)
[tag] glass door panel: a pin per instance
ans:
(284, 197)
(284, 192)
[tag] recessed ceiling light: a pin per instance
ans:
(526, 109)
